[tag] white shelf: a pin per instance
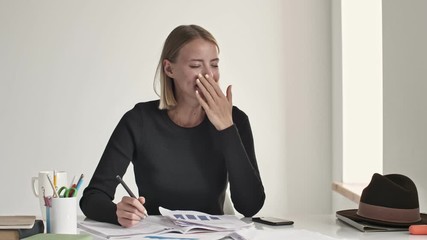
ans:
(352, 191)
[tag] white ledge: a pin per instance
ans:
(352, 191)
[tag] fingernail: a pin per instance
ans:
(207, 76)
(198, 80)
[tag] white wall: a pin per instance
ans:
(70, 69)
(362, 122)
(405, 87)
(307, 101)
(404, 35)
(357, 93)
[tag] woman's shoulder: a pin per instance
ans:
(147, 106)
(142, 109)
(239, 115)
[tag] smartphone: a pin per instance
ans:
(272, 221)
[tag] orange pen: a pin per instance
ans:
(418, 229)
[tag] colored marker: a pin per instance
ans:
(55, 179)
(418, 229)
(79, 182)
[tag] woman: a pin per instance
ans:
(184, 147)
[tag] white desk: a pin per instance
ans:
(330, 226)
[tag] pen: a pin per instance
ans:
(125, 186)
(73, 185)
(53, 187)
(54, 178)
(72, 182)
(79, 182)
(128, 190)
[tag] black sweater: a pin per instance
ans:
(177, 168)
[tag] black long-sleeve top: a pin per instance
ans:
(175, 167)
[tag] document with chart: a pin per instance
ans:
(184, 222)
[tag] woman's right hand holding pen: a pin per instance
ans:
(130, 211)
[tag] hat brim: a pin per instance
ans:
(352, 214)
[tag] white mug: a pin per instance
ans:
(63, 215)
(43, 187)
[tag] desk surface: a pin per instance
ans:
(329, 225)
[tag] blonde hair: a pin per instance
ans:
(180, 36)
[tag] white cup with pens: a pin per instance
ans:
(63, 210)
(42, 188)
(63, 215)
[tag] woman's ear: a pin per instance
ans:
(167, 68)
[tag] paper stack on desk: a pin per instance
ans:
(196, 221)
(185, 222)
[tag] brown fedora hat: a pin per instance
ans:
(389, 200)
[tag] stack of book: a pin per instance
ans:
(18, 227)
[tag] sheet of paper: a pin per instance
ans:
(194, 219)
(183, 222)
(295, 234)
(150, 225)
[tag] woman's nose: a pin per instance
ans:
(211, 72)
(208, 71)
